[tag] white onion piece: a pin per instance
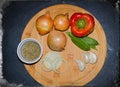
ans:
(81, 64)
(92, 58)
(52, 62)
(86, 58)
(43, 68)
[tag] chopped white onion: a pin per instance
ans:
(53, 61)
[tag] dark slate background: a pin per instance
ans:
(17, 14)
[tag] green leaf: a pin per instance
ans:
(90, 41)
(79, 42)
(84, 43)
(93, 47)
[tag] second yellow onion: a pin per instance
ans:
(61, 22)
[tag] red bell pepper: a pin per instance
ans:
(82, 24)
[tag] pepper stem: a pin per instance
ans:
(81, 23)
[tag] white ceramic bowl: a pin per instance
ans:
(19, 51)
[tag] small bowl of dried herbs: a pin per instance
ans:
(29, 50)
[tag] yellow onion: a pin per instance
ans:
(61, 22)
(44, 24)
(56, 40)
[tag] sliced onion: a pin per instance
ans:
(53, 61)
(43, 67)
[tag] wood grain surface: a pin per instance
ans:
(72, 76)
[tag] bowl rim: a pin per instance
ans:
(20, 54)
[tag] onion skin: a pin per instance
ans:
(61, 22)
(56, 40)
(44, 24)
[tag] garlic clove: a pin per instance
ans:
(92, 58)
(81, 65)
(86, 58)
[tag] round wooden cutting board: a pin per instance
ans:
(72, 76)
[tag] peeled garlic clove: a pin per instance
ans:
(86, 58)
(81, 64)
(92, 58)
